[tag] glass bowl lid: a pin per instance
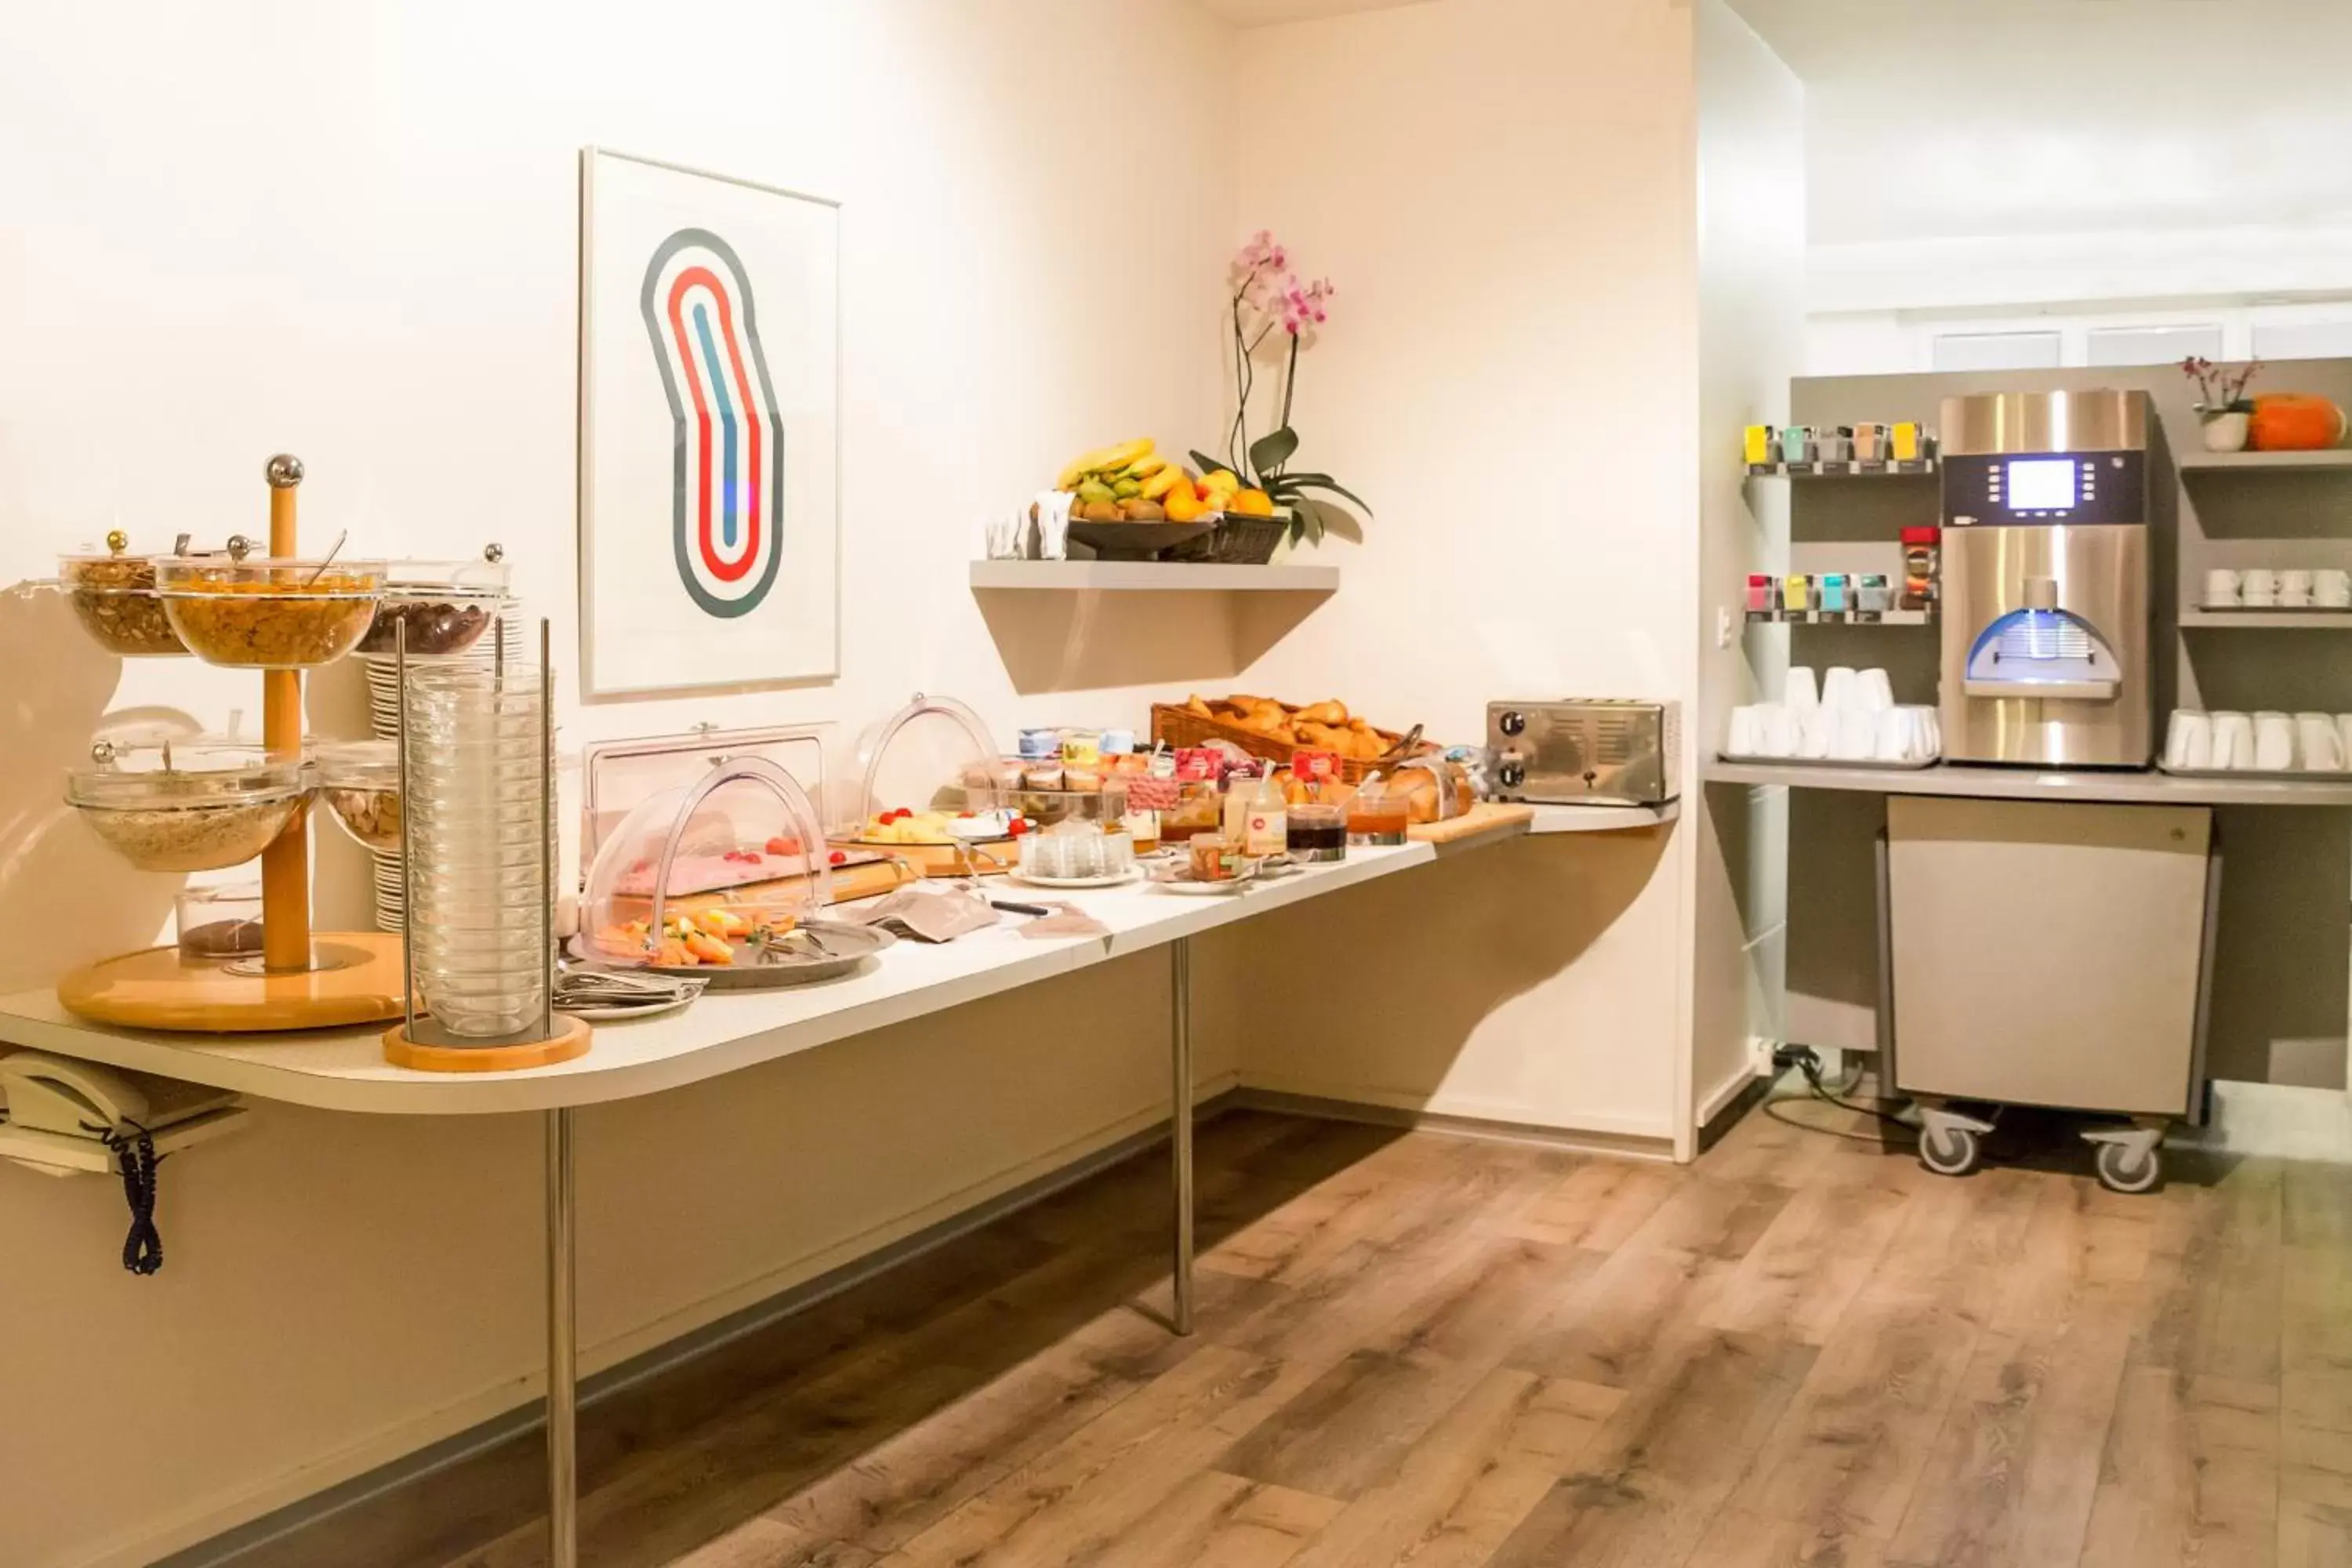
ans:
(268, 576)
(485, 576)
(932, 760)
(357, 765)
(141, 771)
(699, 873)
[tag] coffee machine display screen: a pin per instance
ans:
(2040, 484)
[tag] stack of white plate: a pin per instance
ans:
(384, 671)
(391, 913)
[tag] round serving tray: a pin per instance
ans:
(1073, 884)
(848, 949)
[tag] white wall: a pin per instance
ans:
(1987, 158)
(1502, 191)
(1751, 264)
(348, 231)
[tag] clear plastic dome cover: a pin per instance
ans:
(699, 873)
(934, 759)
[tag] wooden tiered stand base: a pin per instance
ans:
(356, 981)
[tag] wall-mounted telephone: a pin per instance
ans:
(73, 1099)
(73, 1115)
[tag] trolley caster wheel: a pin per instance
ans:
(2125, 1169)
(1951, 1151)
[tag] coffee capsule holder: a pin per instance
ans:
(302, 980)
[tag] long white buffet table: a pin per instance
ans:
(725, 1031)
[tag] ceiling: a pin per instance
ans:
(1944, 118)
(1269, 13)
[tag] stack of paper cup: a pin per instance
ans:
(2267, 743)
(1845, 715)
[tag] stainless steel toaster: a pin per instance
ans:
(1586, 751)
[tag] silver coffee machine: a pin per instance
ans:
(2046, 564)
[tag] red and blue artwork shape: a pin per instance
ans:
(728, 463)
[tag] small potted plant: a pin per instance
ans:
(1257, 478)
(2223, 409)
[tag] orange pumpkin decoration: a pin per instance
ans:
(2294, 422)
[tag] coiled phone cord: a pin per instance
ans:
(134, 1154)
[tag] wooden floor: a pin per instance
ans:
(1432, 1351)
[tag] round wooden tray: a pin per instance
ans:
(358, 982)
(570, 1039)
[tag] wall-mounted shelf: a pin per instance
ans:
(2268, 620)
(1924, 467)
(2029, 784)
(1151, 576)
(2336, 458)
(1551, 819)
(1844, 617)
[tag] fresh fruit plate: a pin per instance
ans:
(1073, 884)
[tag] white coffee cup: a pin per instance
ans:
(1931, 730)
(1839, 688)
(2332, 589)
(1816, 733)
(1801, 690)
(2314, 736)
(1780, 730)
(1894, 735)
(1877, 690)
(2233, 741)
(2273, 744)
(2189, 743)
(2258, 588)
(1747, 734)
(1857, 736)
(2294, 589)
(2220, 589)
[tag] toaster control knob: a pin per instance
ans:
(1512, 774)
(1512, 723)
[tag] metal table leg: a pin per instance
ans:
(562, 1357)
(1180, 1127)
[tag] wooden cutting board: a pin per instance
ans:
(1486, 817)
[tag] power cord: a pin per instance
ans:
(134, 1154)
(1808, 1062)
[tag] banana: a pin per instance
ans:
(1169, 476)
(1079, 467)
(1126, 452)
(1143, 467)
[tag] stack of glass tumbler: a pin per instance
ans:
(478, 822)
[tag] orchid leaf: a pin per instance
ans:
(1273, 449)
(1321, 483)
(1306, 518)
(1206, 464)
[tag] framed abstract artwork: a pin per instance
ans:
(709, 431)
